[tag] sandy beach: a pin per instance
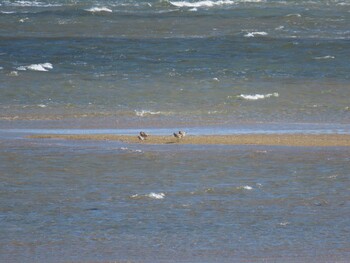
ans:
(251, 139)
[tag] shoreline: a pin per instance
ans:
(307, 140)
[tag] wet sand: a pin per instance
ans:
(251, 139)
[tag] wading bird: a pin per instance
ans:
(182, 133)
(177, 135)
(143, 134)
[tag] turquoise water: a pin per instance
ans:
(206, 67)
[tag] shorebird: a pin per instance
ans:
(140, 138)
(143, 134)
(177, 135)
(182, 133)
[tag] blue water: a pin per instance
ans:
(106, 201)
(206, 67)
(120, 63)
(257, 128)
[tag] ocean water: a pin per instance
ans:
(130, 63)
(208, 67)
(106, 201)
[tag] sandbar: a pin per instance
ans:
(315, 140)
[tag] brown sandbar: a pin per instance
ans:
(249, 139)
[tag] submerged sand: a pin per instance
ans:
(250, 139)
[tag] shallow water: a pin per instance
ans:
(104, 201)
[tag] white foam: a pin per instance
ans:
(156, 196)
(279, 28)
(258, 96)
(325, 57)
(209, 3)
(245, 187)
(65, 22)
(343, 4)
(256, 33)
(99, 9)
(37, 67)
(150, 195)
(333, 176)
(130, 150)
(22, 20)
(201, 3)
(13, 74)
(143, 113)
(47, 65)
(30, 3)
(284, 223)
(296, 15)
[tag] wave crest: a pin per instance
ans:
(37, 67)
(143, 113)
(257, 96)
(201, 3)
(150, 196)
(324, 57)
(99, 10)
(209, 3)
(29, 4)
(253, 34)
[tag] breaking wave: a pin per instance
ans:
(201, 3)
(258, 96)
(245, 187)
(37, 67)
(150, 196)
(7, 12)
(209, 3)
(253, 34)
(324, 57)
(29, 4)
(99, 10)
(143, 113)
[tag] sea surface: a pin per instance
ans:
(166, 63)
(207, 67)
